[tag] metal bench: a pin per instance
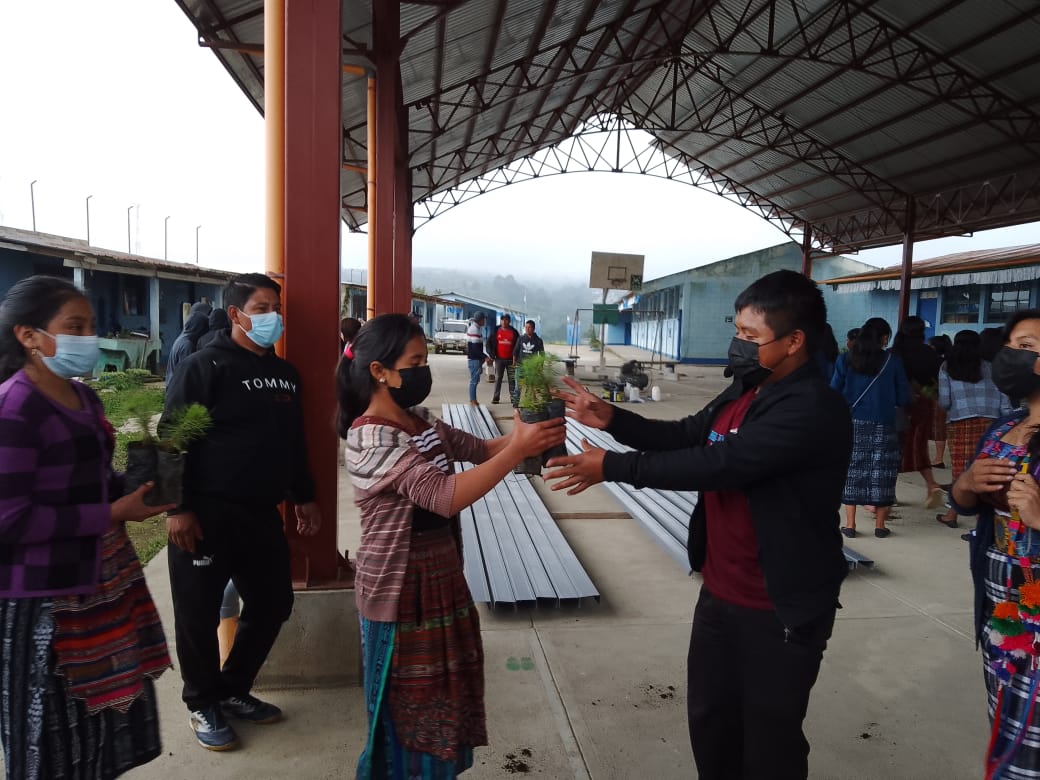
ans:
(513, 551)
(664, 514)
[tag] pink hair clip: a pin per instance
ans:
(349, 352)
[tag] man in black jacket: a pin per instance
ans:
(228, 524)
(770, 457)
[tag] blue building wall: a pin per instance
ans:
(695, 323)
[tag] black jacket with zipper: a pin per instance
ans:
(790, 458)
(255, 453)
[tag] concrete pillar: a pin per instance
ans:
(79, 278)
(313, 156)
(153, 308)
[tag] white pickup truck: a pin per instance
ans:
(450, 335)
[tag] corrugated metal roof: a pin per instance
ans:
(959, 262)
(77, 248)
(836, 113)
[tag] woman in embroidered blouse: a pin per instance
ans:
(423, 660)
(1000, 486)
(71, 588)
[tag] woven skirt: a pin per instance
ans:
(874, 465)
(424, 674)
(46, 733)
(963, 437)
(915, 441)
(939, 424)
(1022, 754)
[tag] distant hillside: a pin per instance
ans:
(551, 301)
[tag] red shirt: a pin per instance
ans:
(731, 570)
(505, 340)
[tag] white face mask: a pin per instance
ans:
(73, 355)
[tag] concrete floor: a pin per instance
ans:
(597, 690)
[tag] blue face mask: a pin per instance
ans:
(73, 355)
(267, 328)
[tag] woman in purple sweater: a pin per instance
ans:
(79, 637)
(424, 664)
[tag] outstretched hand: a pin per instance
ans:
(577, 471)
(585, 407)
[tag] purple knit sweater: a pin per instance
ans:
(55, 482)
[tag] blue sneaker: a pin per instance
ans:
(212, 730)
(250, 708)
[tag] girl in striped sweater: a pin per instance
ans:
(424, 675)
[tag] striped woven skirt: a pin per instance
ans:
(963, 439)
(424, 674)
(874, 466)
(1023, 758)
(45, 732)
(915, 441)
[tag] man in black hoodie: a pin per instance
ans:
(228, 524)
(770, 457)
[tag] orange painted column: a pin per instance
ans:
(313, 157)
(386, 27)
(274, 141)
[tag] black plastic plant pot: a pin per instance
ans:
(146, 462)
(142, 460)
(169, 477)
(555, 408)
(531, 466)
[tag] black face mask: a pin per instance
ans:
(743, 362)
(416, 384)
(1013, 372)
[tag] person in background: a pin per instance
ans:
(420, 631)
(228, 525)
(922, 369)
(850, 338)
(186, 343)
(999, 485)
(971, 402)
(502, 345)
(942, 346)
(218, 323)
(991, 340)
(874, 385)
(475, 355)
(81, 639)
(770, 456)
(348, 330)
(827, 353)
(530, 343)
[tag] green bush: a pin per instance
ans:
(122, 380)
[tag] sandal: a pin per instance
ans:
(881, 533)
(849, 533)
(948, 523)
(938, 465)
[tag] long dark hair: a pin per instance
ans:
(964, 362)
(867, 355)
(911, 331)
(33, 302)
(381, 339)
(991, 340)
(941, 344)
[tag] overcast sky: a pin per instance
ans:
(115, 99)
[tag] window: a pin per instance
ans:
(1005, 299)
(961, 304)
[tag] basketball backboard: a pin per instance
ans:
(615, 271)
